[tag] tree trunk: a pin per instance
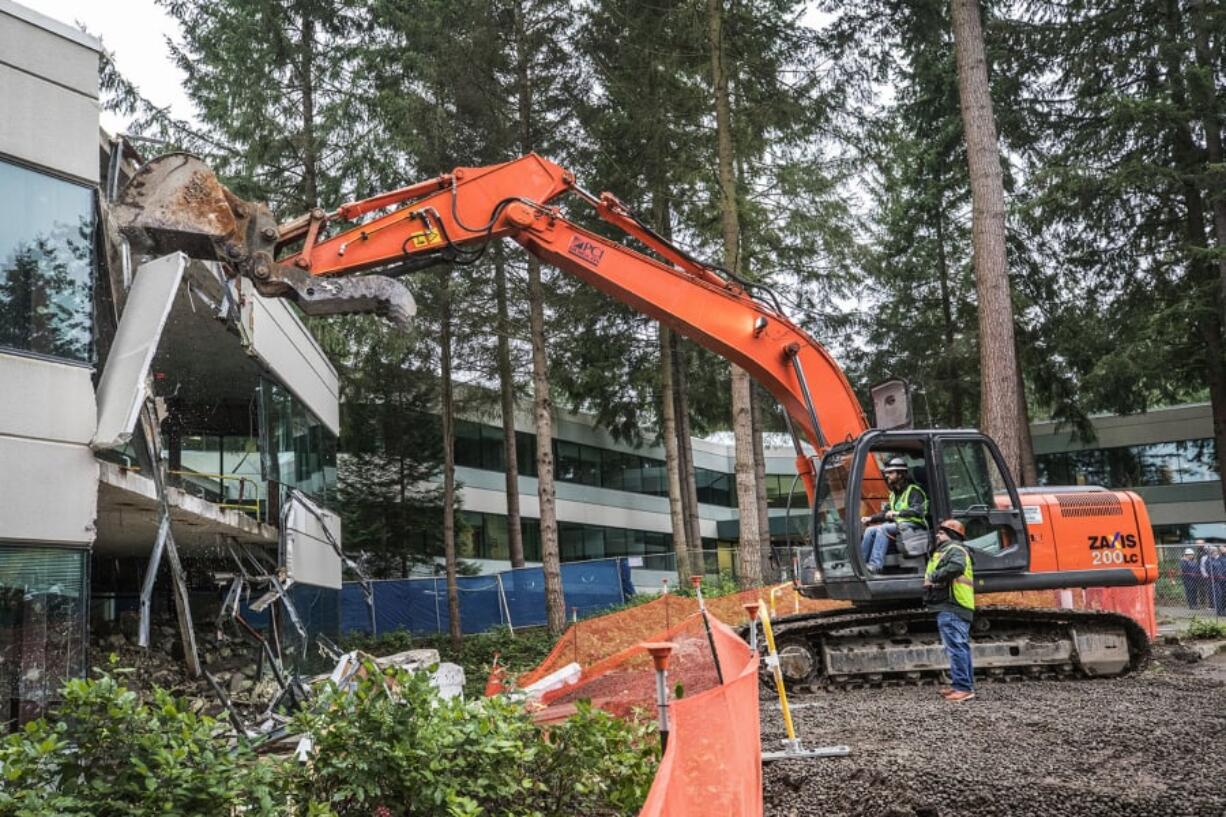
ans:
(668, 432)
(542, 409)
(310, 158)
(542, 402)
(506, 385)
(997, 358)
(448, 417)
(749, 551)
(1028, 470)
(759, 468)
(953, 376)
(685, 449)
(1211, 120)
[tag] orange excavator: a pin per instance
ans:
(346, 260)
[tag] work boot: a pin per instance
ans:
(957, 696)
(945, 692)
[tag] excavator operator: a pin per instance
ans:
(907, 509)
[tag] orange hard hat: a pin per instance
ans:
(954, 527)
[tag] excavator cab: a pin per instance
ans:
(964, 477)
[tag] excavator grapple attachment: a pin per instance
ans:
(175, 203)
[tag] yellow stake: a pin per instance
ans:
(773, 662)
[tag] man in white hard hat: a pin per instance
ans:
(1189, 571)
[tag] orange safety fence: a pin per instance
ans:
(713, 763)
(593, 640)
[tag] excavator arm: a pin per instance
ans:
(451, 217)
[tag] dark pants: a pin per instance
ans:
(1191, 590)
(1219, 586)
(956, 636)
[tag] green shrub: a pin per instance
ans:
(724, 585)
(393, 745)
(107, 753)
(1205, 628)
(389, 747)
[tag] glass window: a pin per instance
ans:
(593, 542)
(617, 542)
(493, 452)
(655, 478)
(1196, 459)
(713, 487)
(1055, 469)
(589, 465)
(531, 529)
(622, 471)
(497, 541)
(976, 487)
(1124, 469)
(302, 450)
(1159, 464)
(470, 542)
(42, 626)
(46, 264)
(570, 541)
(467, 444)
(1089, 467)
(657, 542)
(525, 453)
(831, 533)
(566, 455)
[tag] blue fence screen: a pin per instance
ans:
(512, 597)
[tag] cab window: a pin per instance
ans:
(976, 488)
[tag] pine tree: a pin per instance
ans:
(1126, 187)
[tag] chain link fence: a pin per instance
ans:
(1192, 579)
(779, 564)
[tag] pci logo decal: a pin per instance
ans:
(1111, 550)
(586, 250)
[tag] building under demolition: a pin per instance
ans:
(168, 436)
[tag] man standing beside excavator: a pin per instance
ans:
(949, 588)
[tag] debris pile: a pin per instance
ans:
(233, 664)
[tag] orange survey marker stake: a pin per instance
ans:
(696, 583)
(660, 652)
(751, 608)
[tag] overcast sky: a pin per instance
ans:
(135, 31)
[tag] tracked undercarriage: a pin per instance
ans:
(844, 648)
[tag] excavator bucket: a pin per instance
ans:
(175, 203)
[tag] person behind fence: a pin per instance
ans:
(1206, 589)
(1217, 578)
(1189, 571)
(907, 508)
(949, 588)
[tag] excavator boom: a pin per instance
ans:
(174, 202)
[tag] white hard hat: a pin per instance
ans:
(1189, 552)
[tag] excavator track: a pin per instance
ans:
(849, 648)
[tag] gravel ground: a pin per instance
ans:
(1148, 745)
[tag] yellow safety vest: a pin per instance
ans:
(900, 505)
(961, 589)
